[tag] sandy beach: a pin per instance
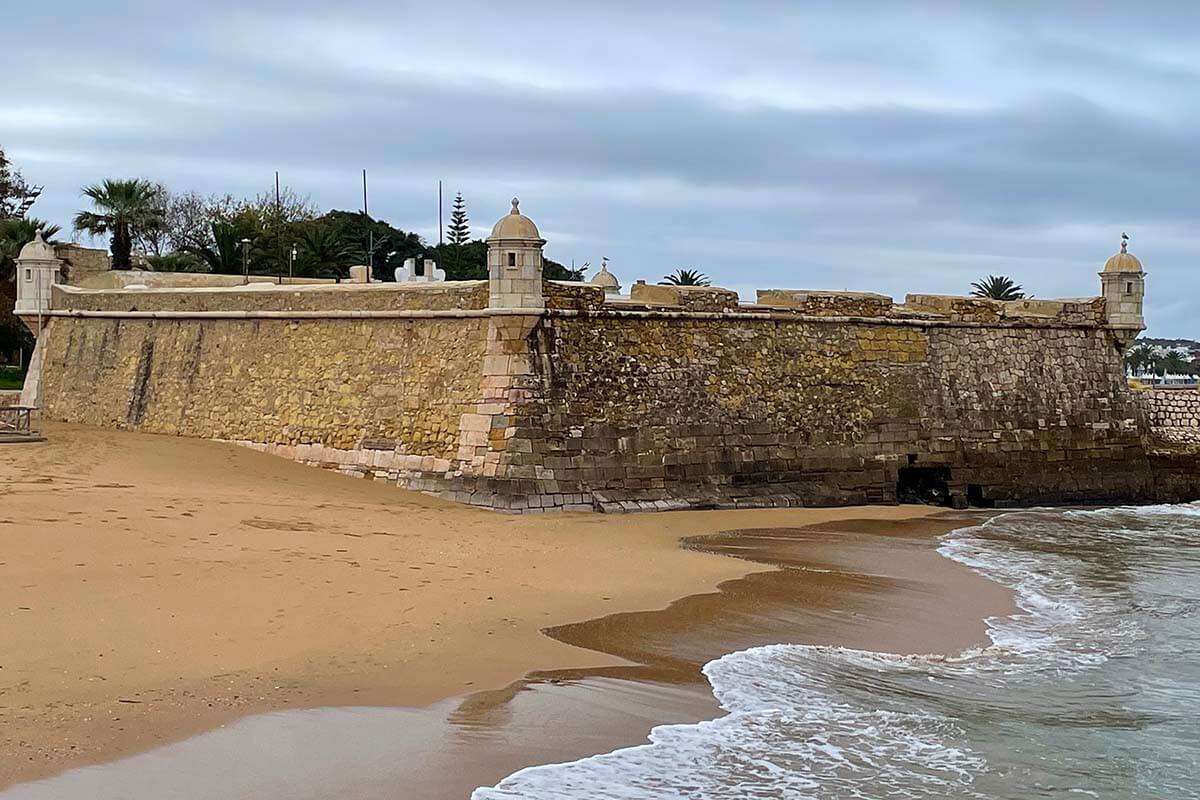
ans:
(153, 588)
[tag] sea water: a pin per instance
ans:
(1092, 690)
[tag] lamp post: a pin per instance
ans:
(245, 261)
(371, 255)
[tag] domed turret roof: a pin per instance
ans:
(515, 225)
(606, 280)
(37, 250)
(1123, 261)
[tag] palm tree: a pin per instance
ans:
(997, 287)
(685, 277)
(1175, 363)
(1139, 358)
(324, 252)
(15, 233)
(123, 209)
(224, 255)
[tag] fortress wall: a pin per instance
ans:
(402, 385)
(1174, 414)
(625, 409)
(758, 411)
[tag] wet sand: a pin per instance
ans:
(153, 588)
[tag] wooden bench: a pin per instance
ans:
(16, 425)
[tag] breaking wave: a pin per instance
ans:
(1083, 691)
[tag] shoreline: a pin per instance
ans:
(495, 582)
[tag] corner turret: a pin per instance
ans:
(1123, 284)
(514, 257)
(37, 270)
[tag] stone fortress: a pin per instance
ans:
(519, 393)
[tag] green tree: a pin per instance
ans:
(223, 255)
(15, 233)
(468, 262)
(460, 231)
(1139, 358)
(554, 271)
(997, 287)
(324, 252)
(686, 277)
(178, 261)
(124, 210)
(1175, 362)
(462, 262)
(272, 225)
(392, 245)
(16, 194)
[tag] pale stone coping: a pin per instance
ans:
(771, 316)
(805, 293)
(115, 280)
(322, 314)
(1033, 306)
(264, 284)
(774, 315)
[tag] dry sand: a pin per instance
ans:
(154, 587)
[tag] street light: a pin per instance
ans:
(245, 261)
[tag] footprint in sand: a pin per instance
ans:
(279, 525)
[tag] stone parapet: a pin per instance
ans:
(448, 295)
(1174, 414)
(690, 298)
(148, 279)
(83, 262)
(573, 295)
(1082, 311)
(822, 303)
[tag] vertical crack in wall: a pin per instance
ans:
(141, 382)
(191, 370)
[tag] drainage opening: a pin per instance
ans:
(929, 485)
(975, 496)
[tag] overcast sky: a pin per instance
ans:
(888, 147)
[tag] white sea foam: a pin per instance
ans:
(820, 722)
(788, 734)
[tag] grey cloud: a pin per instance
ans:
(1048, 132)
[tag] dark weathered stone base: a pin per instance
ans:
(1123, 475)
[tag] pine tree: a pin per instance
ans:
(460, 231)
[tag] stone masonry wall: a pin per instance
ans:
(622, 409)
(1174, 414)
(312, 389)
(669, 412)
